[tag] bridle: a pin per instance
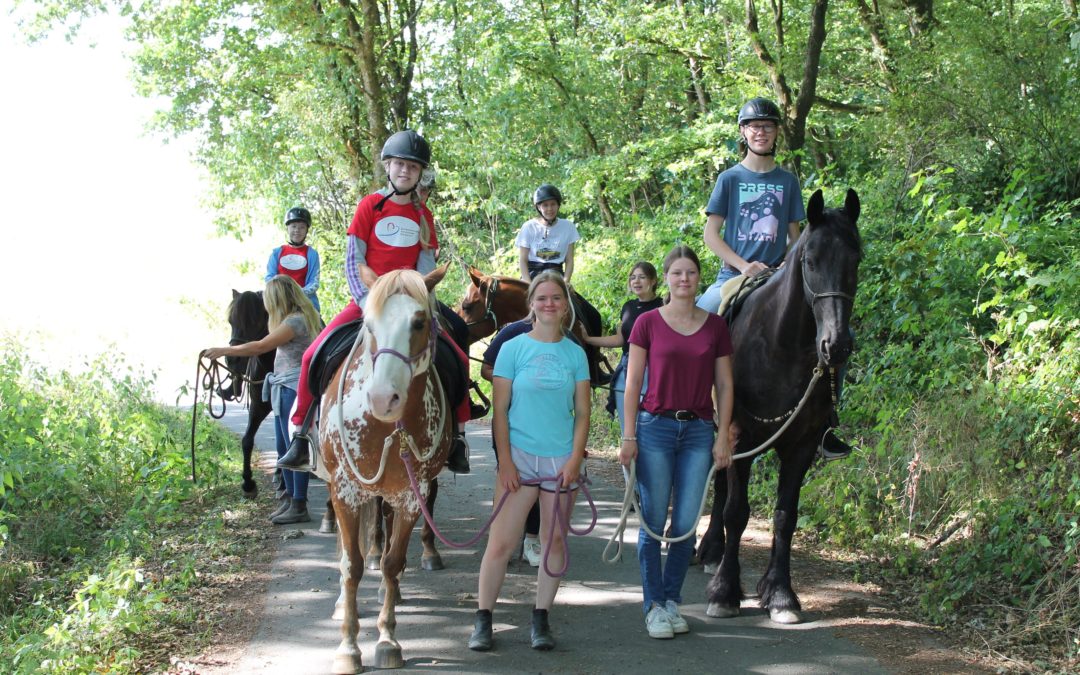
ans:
(489, 298)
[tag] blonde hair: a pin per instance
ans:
(408, 282)
(554, 277)
(283, 297)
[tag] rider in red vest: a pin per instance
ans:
(296, 259)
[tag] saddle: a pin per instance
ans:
(328, 357)
(736, 290)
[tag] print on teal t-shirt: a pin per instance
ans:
(543, 376)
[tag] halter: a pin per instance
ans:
(410, 361)
(814, 297)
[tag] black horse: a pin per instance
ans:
(248, 319)
(794, 324)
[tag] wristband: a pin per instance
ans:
(630, 438)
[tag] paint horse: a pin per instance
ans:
(792, 328)
(383, 403)
(248, 319)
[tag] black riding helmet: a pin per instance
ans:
(407, 145)
(298, 213)
(755, 110)
(542, 194)
(759, 109)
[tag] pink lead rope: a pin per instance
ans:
(557, 516)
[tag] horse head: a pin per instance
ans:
(249, 322)
(491, 302)
(828, 257)
(399, 322)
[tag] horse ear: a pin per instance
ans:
(235, 294)
(476, 276)
(815, 208)
(852, 206)
(435, 276)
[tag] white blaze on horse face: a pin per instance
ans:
(388, 385)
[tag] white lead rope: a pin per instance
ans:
(631, 499)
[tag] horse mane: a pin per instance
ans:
(246, 310)
(513, 281)
(407, 282)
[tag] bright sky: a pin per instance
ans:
(106, 233)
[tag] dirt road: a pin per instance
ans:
(597, 618)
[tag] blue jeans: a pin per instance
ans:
(296, 482)
(673, 464)
(710, 299)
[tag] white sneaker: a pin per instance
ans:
(532, 551)
(678, 624)
(658, 624)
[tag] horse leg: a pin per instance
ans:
(711, 547)
(329, 522)
(774, 588)
(430, 560)
(390, 522)
(378, 539)
(388, 650)
(256, 414)
(725, 588)
(347, 657)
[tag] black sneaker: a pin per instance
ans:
(298, 458)
(458, 460)
(832, 447)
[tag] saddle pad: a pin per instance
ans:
(736, 290)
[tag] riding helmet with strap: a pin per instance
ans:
(758, 109)
(544, 193)
(408, 145)
(298, 213)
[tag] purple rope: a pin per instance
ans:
(407, 458)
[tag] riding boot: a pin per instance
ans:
(480, 640)
(541, 631)
(297, 513)
(458, 459)
(283, 506)
(298, 458)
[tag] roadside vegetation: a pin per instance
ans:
(110, 558)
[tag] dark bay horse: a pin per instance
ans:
(491, 301)
(248, 319)
(795, 323)
(384, 402)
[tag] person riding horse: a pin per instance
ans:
(546, 242)
(391, 229)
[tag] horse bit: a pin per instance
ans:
(489, 297)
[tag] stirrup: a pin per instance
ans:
(300, 456)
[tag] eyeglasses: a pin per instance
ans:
(761, 128)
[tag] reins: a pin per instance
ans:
(210, 377)
(399, 427)
(557, 515)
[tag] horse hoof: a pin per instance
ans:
(718, 611)
(712, 568)
(388, 655)
(432, 563)
(374, 564)
(328, 526)
(347, 664)
(251, 492)
(784, 616)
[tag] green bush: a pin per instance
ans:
(95, 476)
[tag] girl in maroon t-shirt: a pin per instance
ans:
(673, 436)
